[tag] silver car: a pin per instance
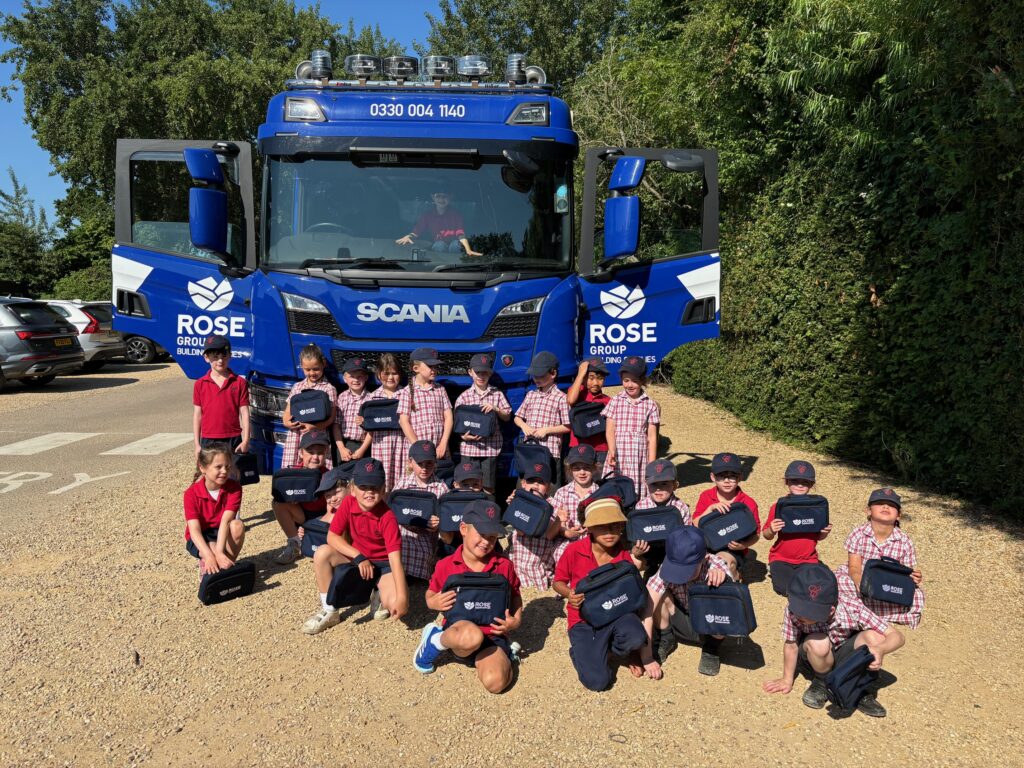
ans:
(100, 342)
(36, 343)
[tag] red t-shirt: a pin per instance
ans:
(710, 496)
(453, 564)
(440, 226)
(795, 548)
(374, 533)
(576, 562)
(220, 405)
(597, 442)
(201, 506)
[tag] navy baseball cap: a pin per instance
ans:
(314, 437)
(800, 470)
(423, 450)
(468, 470)
(485, 516)
(685, 550)
(216, 342)
(481, 362)
(368, 472)
(541, 471)
(581, 454)
(332, 477)
(726, 462)
(659, 471)
(596, 365)
(425, 355)
(813, 592)
(354, 364)
(887, 495)
(542, 363)
(634, 366)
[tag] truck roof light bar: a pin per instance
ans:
(474, 67)
(361, 66)
(437, 68)
(321, 68)
(306, 84)
(401, 68)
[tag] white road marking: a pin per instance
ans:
(152, 445)
(81, 478)
(12, 481)
(42, 443)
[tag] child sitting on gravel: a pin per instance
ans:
(213, 532)
(726, 472)
(313, 447)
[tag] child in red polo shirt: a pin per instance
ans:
(791, 549)
(220, 401)
(726, 471)
(376, 547)
(313, 447)
(592, 649)
(485, 647)
(213, 532)
(589, 384)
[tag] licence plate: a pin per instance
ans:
(62, 342)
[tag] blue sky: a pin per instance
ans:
(403, 20)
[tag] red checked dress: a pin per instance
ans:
(546, 409)
(631, 418)
(568, 498)
(489, 446)
(419, 545)
(347, 415)
(534, 557)
(428, 418)
(898, 546)
(290, 456)
(388, 446)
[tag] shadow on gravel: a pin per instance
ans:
(83, 383)
(742, 652)
(265, 569)
(264, 517)
(538, 618)
(695, 468)
(754, 571)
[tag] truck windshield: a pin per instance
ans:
(331, 213)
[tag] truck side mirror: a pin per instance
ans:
(621, 212)
(683, 162)
(207, 203)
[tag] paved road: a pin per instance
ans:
(74, 448)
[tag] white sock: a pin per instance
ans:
(323, 600)
(436, 642)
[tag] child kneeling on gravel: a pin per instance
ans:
(365, 520)
(820, 630)
(213, 531)
(485, 647)
(313, 447)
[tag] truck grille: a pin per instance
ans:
(513, 325)
(318, 323)
(451, 362)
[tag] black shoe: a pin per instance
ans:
(869, 705)
(815, 696)
(709, 663)
(664, 643)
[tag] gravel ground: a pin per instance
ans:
(109, 659)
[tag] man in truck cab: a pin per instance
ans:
(442, 226)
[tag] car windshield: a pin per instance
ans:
(332, 213)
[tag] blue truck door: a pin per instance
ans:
(164, 288)
(650, 307)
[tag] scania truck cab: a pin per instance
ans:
(422, 208)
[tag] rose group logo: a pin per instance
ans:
(709, 618)
(622, 302)
(468, 605)
(607, 605)
(209, 295)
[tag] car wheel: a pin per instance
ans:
(93, 366)
(140, 350)
(38, 381)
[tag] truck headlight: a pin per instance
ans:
(297, 110)
(302, 304)
(526, 307)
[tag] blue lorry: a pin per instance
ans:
(431, 207)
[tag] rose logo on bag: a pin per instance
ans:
(468, 605)
(709, 618)
(886, 587)
(607, 605)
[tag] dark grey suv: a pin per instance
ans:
(36, 344)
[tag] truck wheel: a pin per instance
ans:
(140, 350)
(38, 381)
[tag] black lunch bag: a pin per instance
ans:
(529, 455)
(413, 507)
(228, 583)
(722, 610)
(616, 485)
(348, 587)
(295, 485)
(471, 420)
(586, 419)
(310, 406)
(611, 591)
(888, 580)
(452, 505)
(480, 598)
(379, 415)
(719, 528)
(850, 680)
(248, 470)
(528, 513)
(314, 535)
(652, 524)
(802, 514)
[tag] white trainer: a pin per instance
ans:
(320, 621)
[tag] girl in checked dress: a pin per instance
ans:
(633, 418)
(424, 410)
(313, 364)
(420, 544)
(388, 446)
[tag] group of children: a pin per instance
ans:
(826, 617)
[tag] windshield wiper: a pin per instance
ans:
(356, 263)
(488, 266)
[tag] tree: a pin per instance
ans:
(25, 236)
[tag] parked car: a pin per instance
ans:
(100, 342)
(142, 350)
(36, 343)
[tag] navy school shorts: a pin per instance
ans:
(498, 641)
(232, 442)
(211, 538)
